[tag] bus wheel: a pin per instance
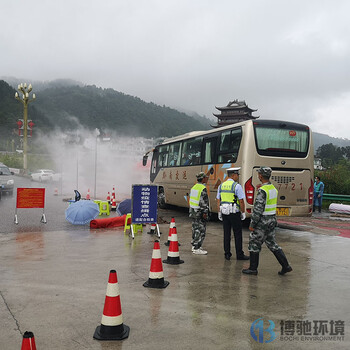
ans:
(161, 199)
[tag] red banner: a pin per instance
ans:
(30, 197)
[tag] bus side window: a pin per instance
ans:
(174, 154)
(209, 150)
(192, 151)
(236, 137)
(163, 157)
(229, 146)
(225, 141)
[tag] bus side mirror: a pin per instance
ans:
(144, 160)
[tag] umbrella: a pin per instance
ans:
(82, 212)
(124, 207)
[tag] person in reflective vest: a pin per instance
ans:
(263, 223)
(199, 212)
(318, 193)
(231, 210)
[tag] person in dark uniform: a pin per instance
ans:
(231, 211)
(263, 223)
(199, 212)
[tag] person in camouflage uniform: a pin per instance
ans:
(199, 212)
(263, 223)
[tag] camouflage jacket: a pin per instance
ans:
(203, 206)
(258, 220)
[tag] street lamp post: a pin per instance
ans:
(25, 99)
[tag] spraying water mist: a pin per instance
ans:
(88, 161)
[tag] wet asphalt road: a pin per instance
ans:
(53, 280)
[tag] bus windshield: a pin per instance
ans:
(285, 141)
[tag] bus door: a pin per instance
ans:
(210, 168)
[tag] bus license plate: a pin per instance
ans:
(282, 211)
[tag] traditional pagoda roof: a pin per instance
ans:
(236, 105)
(235, 111)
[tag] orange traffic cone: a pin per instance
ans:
(113, 193)
(112, 327)
(55, 192)
(114, 205)
(108, 198)
(156, 276)
(172, 226)
(173, 253)
(28, 342)
(88, 194)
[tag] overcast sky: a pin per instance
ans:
(289, 59)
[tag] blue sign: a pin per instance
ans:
(144, 204)
(257, 331)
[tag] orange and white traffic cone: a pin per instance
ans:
(55, 192)
(114, 205)
(172, 226)
(173, 253)
(112, 327)
(88, 194)
(28, 342)
(156, 276)
(108, 198)
(113, 193)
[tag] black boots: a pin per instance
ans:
(242, 257)
(314, 208)
(279, 254)
(254, 262)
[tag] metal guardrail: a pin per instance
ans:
(336, 197)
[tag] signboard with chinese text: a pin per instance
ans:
(30, 198)
(144, 204)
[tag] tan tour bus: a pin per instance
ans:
(286, 147)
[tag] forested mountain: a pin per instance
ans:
(109, 110)
(322, 139)
(69, 107)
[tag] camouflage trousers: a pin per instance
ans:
(259, 236)
(198, 232)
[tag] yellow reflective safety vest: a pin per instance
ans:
(227, 193)
(271, 199)
(195, 195)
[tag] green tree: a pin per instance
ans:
(337, 178)
(346, 152)
(329, 154)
